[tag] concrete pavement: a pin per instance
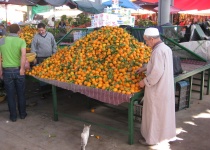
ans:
(39, 132)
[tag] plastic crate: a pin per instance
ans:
(138, 105)
(182, 95)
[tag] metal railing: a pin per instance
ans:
(84, 30)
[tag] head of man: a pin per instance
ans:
(151, 36)
(41, 28)
(14, 28)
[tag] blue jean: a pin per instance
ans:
(15, 84)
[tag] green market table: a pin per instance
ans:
(104, 96)
(192, 68)
(118, 98)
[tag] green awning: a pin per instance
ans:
(40, 9)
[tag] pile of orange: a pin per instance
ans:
(27, 33)
(107, 59)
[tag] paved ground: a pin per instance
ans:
(39, 132)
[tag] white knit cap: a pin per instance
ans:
(151, 32)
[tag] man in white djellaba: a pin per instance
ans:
(158, 114)
(51, 23)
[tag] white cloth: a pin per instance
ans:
(51, 23)
(202, 48)
(158, 116)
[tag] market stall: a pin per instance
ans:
(96, 66)
(192, 64)
(110, 93)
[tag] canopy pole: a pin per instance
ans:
(29, 13)
(172, 15)
(163, 11)
(6, 15)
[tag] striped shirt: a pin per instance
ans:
(43, 46)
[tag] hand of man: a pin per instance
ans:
(22, 71)
(35, 61)
(141, 84)
(1, 75)
(140, 70)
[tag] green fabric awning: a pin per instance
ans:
(40, 9)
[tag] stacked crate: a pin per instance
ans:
(138, 105)
(182, 95)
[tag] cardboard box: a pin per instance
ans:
(96, 17)
(102, 23)
(116, 11)
(103, 17)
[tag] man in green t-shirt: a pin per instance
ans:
(12, 70)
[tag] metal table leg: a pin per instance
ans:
(208, 82)
(135, 97)
(130, 122)
(202, 84)
(190, 90)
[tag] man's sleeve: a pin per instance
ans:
(54, 45)
(33, 45)
(23, 45)
(158, 67)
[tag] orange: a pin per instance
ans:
(107, 59)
